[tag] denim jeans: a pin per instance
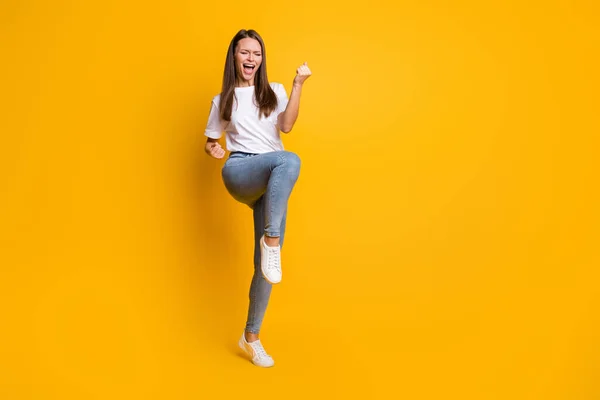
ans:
(264, 182)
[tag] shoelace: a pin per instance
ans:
(259, 349)
(274, 259)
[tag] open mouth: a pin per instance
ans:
(248, 68)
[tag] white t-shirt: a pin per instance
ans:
(247, 131)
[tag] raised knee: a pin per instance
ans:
(293, 161)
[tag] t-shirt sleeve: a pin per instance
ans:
(282, 99)
(214, 127)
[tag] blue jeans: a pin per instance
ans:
(264, 182)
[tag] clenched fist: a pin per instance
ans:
(214, 149)
(302, 74)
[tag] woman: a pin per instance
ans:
(258, 172)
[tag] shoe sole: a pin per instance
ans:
(267, 279)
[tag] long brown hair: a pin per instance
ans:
(265, 96)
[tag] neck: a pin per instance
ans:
(243, 83)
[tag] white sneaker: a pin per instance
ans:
(270, 262)
(255, 350)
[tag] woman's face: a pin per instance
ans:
(248, 57)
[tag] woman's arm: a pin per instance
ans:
(288, 118)
(213, 133)
(213, 148)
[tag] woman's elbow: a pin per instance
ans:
(285, 124)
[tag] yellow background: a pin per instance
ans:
(442, 237)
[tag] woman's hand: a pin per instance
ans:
(214, 149)
(302, 74)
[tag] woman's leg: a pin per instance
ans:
(260, 289)
(272, 175)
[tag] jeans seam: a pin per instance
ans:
(271, 202)
(254, 303)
